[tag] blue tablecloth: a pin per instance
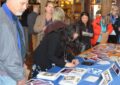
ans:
(116, 79)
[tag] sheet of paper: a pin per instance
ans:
(103, 62)
(92, 78)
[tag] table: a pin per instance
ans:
(111, 53)
(116, 79)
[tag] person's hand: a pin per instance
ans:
(44, 28)
(75, 36)
(21, 82)
(70, 64)
(119, 29)
(75, 61)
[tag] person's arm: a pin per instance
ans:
(38, 27)
(109, 28)
(9, 56)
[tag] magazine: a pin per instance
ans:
(104, 48)
(70, 80)
(118, 48)
(107, 76)
(66, 71)
(38, 82)
(116, 69)
(88, 55)
(118, 61)
(92, 79)
(103, 82)
(78, 72)
(48, 76)
(95, 71)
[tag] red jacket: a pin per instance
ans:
(97, 29)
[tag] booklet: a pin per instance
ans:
(70, 80)
(78, 72)
(103, 82)
(88, 55)
(48, 76)
(117, 48)
(66, 71)
(38, 82)
(118, 61)
(92, 79)
(107, 76)
(116, 69)
(95, 71)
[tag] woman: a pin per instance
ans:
(114, 37)
(42, 21)
(86, 30)
(51, 51)
(101, 30)
(79, 35)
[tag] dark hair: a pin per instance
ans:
(85, 14)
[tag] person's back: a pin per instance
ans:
(51, 50)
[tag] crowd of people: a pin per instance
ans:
(56, 41)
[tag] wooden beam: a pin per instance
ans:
(0, 2)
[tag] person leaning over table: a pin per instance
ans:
(42, 21)
(52, 48)
(100, 28)
(12, 43)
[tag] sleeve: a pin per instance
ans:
(52, 47)
(9, 56)
(95, 28)
(109, 28)
(30, 21)
(38, 25)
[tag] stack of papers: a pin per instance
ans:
(48, 76)
(70, 80)
(39, 82)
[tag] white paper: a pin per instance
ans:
(103, 62)
(92, 78)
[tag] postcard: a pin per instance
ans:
(116, 69)
(103, 82)
(92, 79)
(38, 82)
(48, 76)
(78, 72)
(107, 76)
(66, 70)
(70, 80)
(95, 71)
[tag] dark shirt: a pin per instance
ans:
(31, 21)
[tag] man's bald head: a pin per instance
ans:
(17, 6)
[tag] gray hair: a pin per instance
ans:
(58, 14)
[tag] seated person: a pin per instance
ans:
(51, 51)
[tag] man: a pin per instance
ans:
(12, 43)
(31, 21)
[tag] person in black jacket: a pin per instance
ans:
(51, 51)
